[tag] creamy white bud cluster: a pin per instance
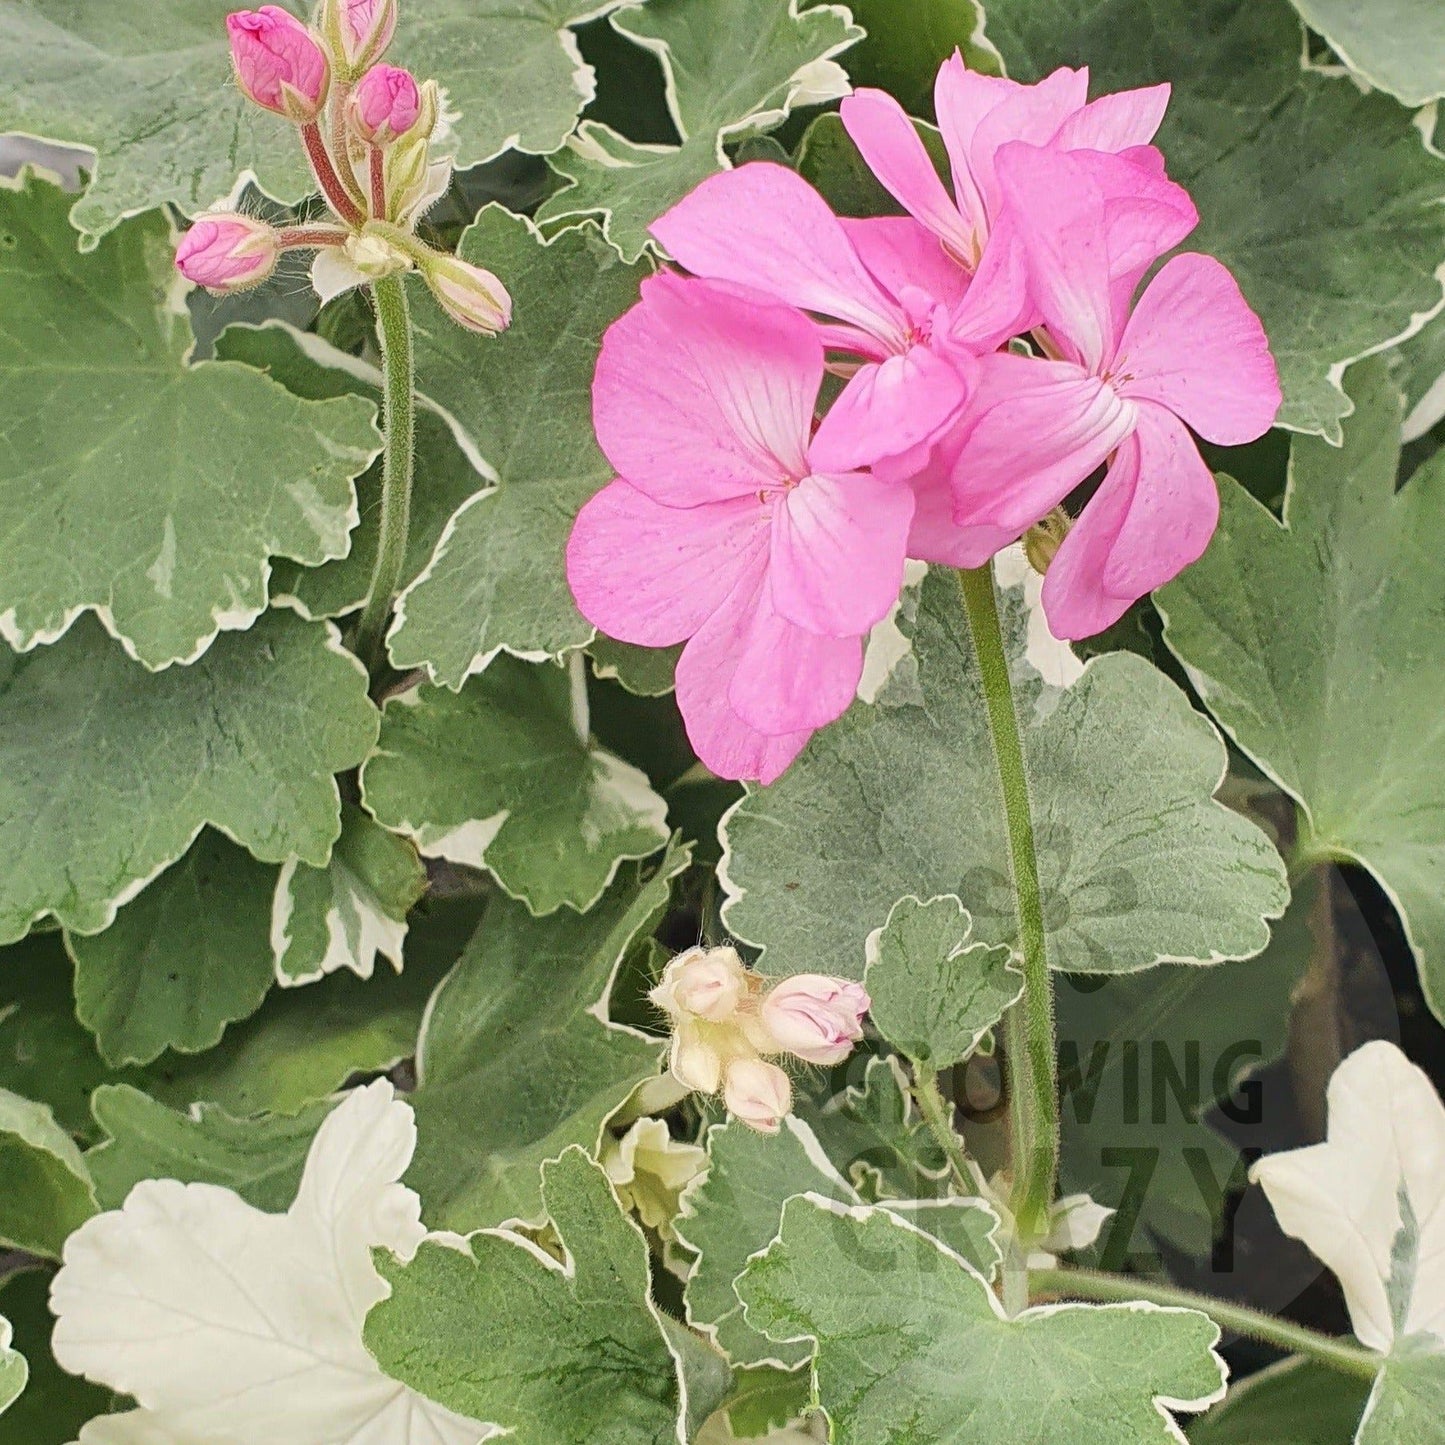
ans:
(729, 1022)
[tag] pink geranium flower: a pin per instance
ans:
(1113, 387)
(883, 289)
(279, 63)
(724, 529)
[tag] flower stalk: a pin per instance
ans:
(1029, 1024)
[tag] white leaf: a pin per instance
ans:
(230, 1326)
(1053, 660)
(1370, 1201)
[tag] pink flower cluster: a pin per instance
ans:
(993, 357)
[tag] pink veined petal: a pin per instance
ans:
(701, 394)
(1032, 115)
(961, 99)
(723, 741)
(1115, 122)
(901, 254)
(1062, 223)
(885, 136)
(889, 408)
(788, 679)
(1041, 428)
(1153, 515)
(1193, 345)
(765, 227)
(934, 536)
(838, 545)
(997, 306)
(651, 574)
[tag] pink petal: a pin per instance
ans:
(1153, 516)
(1041, 428)
(888, 408)
(837, 552)
(723, 741)
(934, 536)
(903, 255)
(997, 306)
(701, 394)
(885, 137)
(1193, 345)
(789, 679)
(1115, 122)
(651, 574)
(763, 226)
(961, 99)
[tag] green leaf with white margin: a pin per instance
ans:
(1317, 644)
(905, 45)
(1137, 862)
(913, 1347)
(935, 990)
(497, 581)
(732, 68)
(1370, 1202)
(14, 1370)
(149, 88)
(48, 1190)
(553, 1353)
(187, 957)
(310, 368)
(503, 776)
(170, 485)
(1323, 201)
(1395, 45)
(261, 1159)
(343, 915)
(1296, 1402)
(1418, 363)
(109, 772)
(519, 1059)
(734, 1211)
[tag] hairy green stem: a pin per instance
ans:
(939, 1117)
(1083, 1284)
(399, 418)
(1029, 1026)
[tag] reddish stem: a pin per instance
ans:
(378, 184)
(297, 237)
(327, 178)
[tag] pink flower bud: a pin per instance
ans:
(360, 29)
(695, 1064)
(228, 252)
(279, 63)
(706, 983)
(817, 1018)
(472, 297)
(384, 105)
(758, 1093)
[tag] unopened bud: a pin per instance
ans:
(817, 1018)
(1043, 540)
(758, 1093)
(384, 106)
(705, 983)
(358, 30)
(228, 252)
(374, 255)
(279, 63)
(472, 297)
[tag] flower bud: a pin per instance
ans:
(472, 297)
(758, 1093)
(384, 106)
(279, 63)
(1043, 540)
(358, 30)
(228, 252)
(694, 1062)
(817, 1018)
(706, 983)
(374, 255)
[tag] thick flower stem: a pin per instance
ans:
(1029, 1026)
(399, 419)
(1082, 1284)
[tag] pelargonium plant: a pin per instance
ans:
(830, 589)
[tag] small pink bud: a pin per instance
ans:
(758, 1093)
(384, 105)
(228, 252)
(817, 1018)
(695, 1064)
(472, 297)
(706, 983)
(279, 63)
(360, 29)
